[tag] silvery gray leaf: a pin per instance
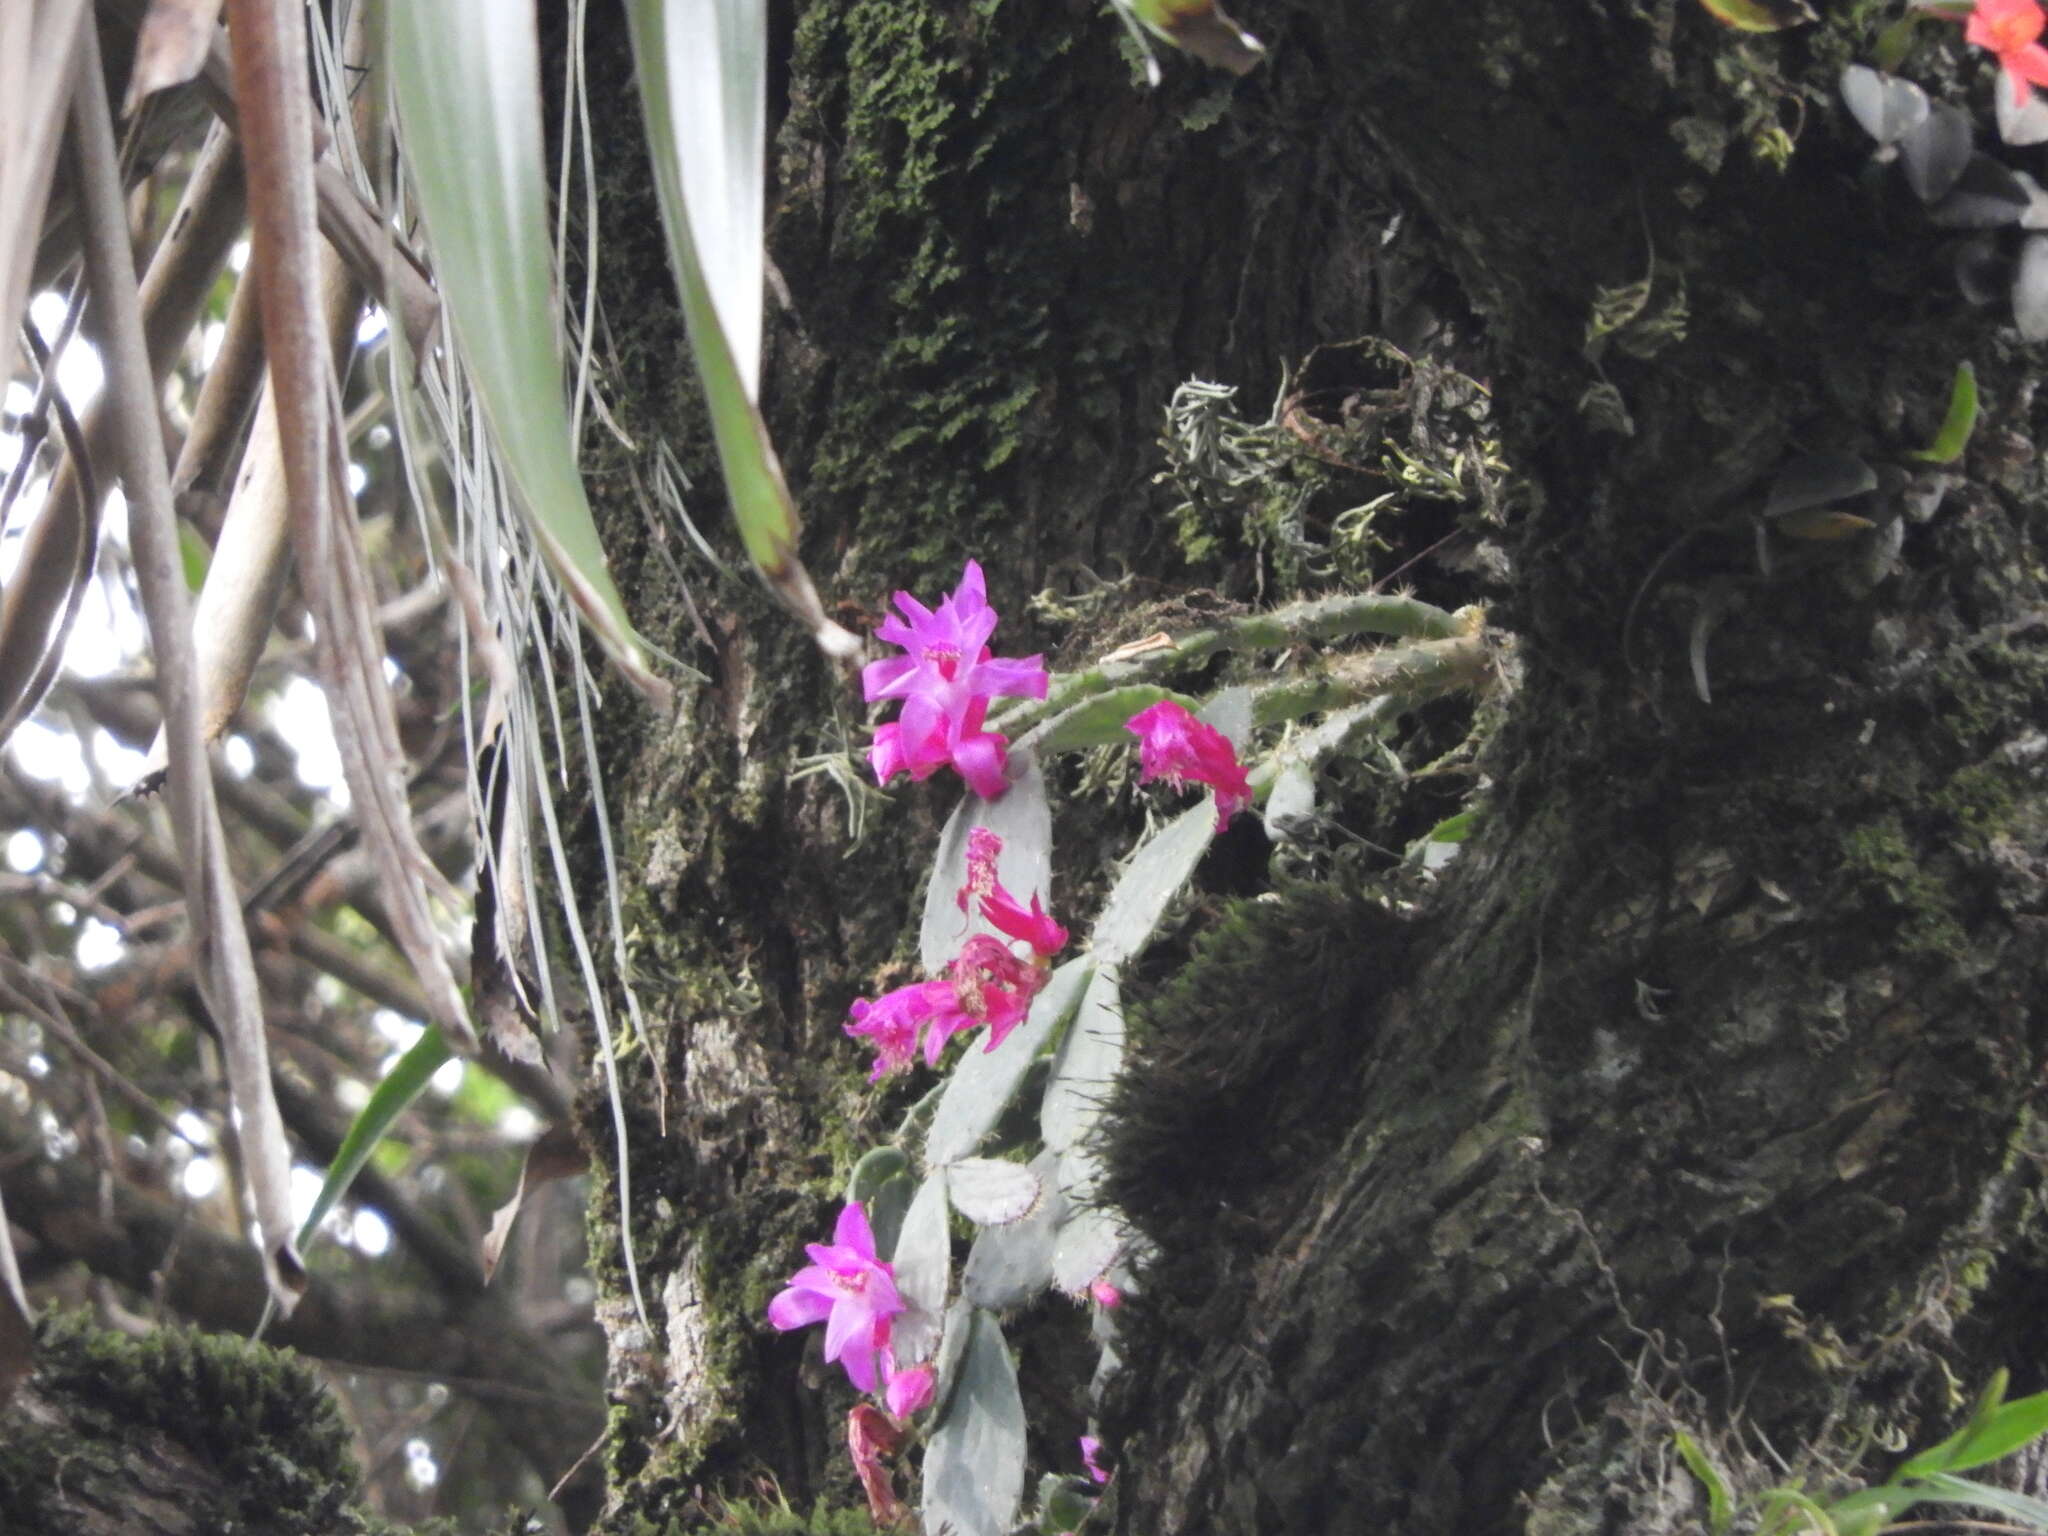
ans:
(984, 1081)
(1009, 1266)
(2030, 289)
(1983, 270)
(1087, 1243)
(1231, 713)
(1079, 1178)
(1087, 1064)
(1988, 196)
(924, 1267)
(1935, 152)
(1022, 818)
(992, 1193)
(1816, 480)
(2020, 123)
(2036, 214)
(1153, 878)
(886, 1209)
(874, 1170)
(974, 1461)
(1884, 104)
(1291, 802)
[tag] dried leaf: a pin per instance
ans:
(556, 1155)
(170, 47)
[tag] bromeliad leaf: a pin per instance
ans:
(974, 1467)
(406, 1081)
(703, 83)
(467, 78)
(985, 1081)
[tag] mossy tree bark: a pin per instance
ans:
(1698, 1092)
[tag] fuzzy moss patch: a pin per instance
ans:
(256, 1419)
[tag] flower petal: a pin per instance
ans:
(798, 1308)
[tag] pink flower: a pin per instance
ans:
(1091, 1449)
(1173, 745)
(2011, 30)
(910, 1391)
(849, 1290)
(986, 983)
(1107, 1296)
(945, 679)
(895, 1020)
(998, 906)
(994, 986)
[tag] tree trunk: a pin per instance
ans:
(1696, 1095)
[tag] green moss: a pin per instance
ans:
(256, 1419)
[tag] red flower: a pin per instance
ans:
(2011, 30)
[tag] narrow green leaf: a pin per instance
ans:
(974, 1463)
(1942, 1488)
(466, 74)
(2003, 1431)
(708, 148)
(1787, 1504)
(1942, 1457)
(1720, 1511)
(1961, 420)
(406, 1081)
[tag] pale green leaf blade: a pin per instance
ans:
(466, 74)
(974, 1465)
(406, 1081)
(1087, 1064)
(991, 1192)
(1152, 879)
(923, 1257)
(984, 1082)
(1008, 1266)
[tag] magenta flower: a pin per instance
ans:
(1173, 745)
(998, 906)
(895, 1020)
(910, 1391)
(945, 679)
(1107, 1296)
(849, 1290)
(1091, 1452)
(986, 983)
